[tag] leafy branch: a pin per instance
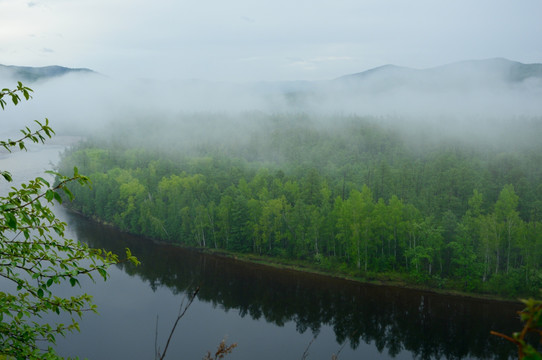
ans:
(44, 258)
(14, 94)
(532, 318)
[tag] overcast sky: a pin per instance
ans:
(247, 40)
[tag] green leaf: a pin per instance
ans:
(51, 338)
(49, 195)
(531, 354)
(103, 273)
(68, 192)
(58, 198)
(7, 176)
(11, 221)
(43, 181)
(54, 173)
(26, 218)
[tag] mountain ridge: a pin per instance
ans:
(33, 74)
(507, 70)
(493, 68)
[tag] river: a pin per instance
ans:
(269, 313)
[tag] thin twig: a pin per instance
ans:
(506, 337)
(336, 356)
(306, 352)
(182, 311)
(156, 351)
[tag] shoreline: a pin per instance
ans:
(375, 279)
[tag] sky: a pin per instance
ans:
(261, 40)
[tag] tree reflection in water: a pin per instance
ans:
(426, 324)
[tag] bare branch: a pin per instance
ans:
(182, 311)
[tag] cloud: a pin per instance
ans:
(304, 64)
(80, 104)
(247, 19)
(316, 62)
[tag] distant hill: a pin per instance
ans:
(510, 71)
(464, 73)
(32, 74)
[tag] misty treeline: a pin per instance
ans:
(349, 194)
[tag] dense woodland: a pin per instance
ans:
(363, 196)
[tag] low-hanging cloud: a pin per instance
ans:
(465, 98)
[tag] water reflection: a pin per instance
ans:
(425, 324)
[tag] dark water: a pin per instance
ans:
(269, 313)
(273, 314)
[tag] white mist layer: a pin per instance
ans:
(456, 99)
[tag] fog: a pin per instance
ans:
(483, 100)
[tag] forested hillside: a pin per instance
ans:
(450, 207)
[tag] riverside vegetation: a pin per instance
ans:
(365, 197)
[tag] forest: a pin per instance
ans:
(448, 206)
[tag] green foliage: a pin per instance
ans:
(531, 316)
(14, 94)
(354, 198)
(35, 256)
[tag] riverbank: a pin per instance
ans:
(383, 279)
(389, 279)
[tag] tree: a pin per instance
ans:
(396, 222)
(508, 216)
(35, 255)
(465, 262)
(360, 205)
